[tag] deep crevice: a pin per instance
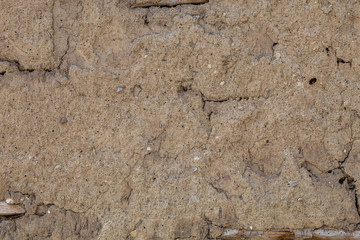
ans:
(273, 48)
(339, 60)
(169, 3)
(228, 99)
(20, 68)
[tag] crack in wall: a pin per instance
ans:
(227, 99)
(166, 3)
(219, 190)
(21, 69)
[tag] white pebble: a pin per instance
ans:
(119, 89)
(148, 148)
(230, 232)
(58, 166)
(48, 211)
(9, 201)
(195, 169)
(222, 83)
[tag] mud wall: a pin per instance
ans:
(178, 119)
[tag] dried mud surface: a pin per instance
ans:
(170, 120)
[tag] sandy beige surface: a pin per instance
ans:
(151, 119)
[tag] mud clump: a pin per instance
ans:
(189, 119)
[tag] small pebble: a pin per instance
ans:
(148, 148)
(119, 89)
(294, 184)
(195, 169)
(133, 234)
(222, 83)
(63, 120)
(58, 166)
(9, 201)
(62, 197)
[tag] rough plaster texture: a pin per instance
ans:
(169, 120)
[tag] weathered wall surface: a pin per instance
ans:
(125, 120)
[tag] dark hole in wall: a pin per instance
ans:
(184, 87)
(349, 181)
(312, 81)
(339, 60)
(146, 21)
(342, 180)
